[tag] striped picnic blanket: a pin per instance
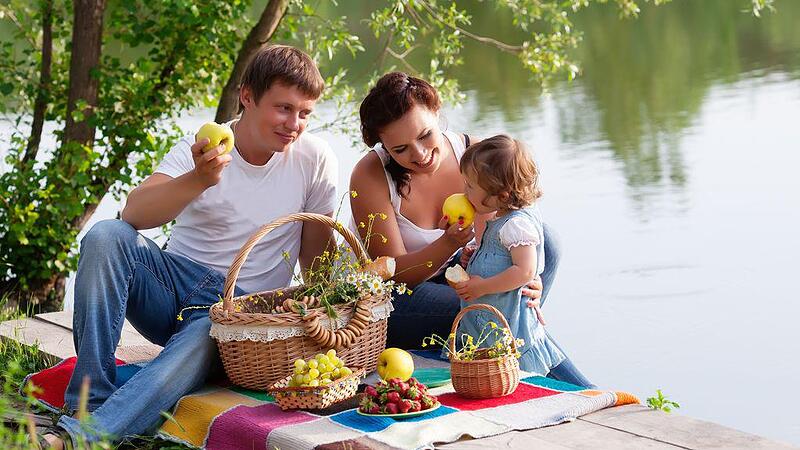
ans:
(227, 417)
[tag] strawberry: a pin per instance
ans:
(415, 405)
(366, 404)
(390, 408)
(383, 398)
(428, 401)
(371, 392)
(375, 409)
(393, 397)
(402, 388)
(404, 405)
(413, 393)
(413, 381)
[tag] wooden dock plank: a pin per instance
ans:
(53, 341)
(678, 430)
(626, 427)
(572, 435)
(128, 337)
(53, 334)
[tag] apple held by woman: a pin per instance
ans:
(217, 135)
(458, 210)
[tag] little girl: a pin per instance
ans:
(502, 179)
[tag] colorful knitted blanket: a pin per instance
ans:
(227, 417)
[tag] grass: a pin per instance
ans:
(18, 360)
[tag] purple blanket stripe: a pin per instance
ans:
(248, 426)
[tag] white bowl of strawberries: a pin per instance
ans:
(397, 399)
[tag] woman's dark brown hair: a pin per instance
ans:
(391, 97)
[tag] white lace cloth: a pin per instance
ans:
(266, 333)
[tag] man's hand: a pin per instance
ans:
(471, 289)
(466, 254)
(455, 234)
(208, 166)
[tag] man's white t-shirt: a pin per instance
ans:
(214, 226)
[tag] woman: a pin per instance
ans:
(412, 168)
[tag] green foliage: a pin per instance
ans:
(662, 403)
(162, 58)
(149, 73)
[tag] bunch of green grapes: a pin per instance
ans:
(320, 371)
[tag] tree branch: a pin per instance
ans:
(260, 34)
(482, 39)
(40, 105)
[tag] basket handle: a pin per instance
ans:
(238, 261)
(491, 309)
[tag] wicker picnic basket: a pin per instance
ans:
(317, 397)
(483, 377)
(258, 348)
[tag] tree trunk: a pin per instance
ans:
(40, 105)
(87, 39)
(260, 34)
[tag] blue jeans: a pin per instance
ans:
(433, 305)
(121, 274)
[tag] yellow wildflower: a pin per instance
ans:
(383, 216)
(361, 225)
(353, 194)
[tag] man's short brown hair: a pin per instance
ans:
(283, 64)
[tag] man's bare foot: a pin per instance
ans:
(55, 442)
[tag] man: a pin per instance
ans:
(218, 201)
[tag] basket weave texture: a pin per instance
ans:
(315, 397)
(257, 365)
(483, 377)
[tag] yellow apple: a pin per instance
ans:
(217, 134)
(458, 208)
(395, 363)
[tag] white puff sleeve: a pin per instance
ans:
(520, 231)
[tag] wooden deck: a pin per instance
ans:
(626, 427)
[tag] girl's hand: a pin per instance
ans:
(471, 289)
(533, 290)
(536, 306)
(455, 234)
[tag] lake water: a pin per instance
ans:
(669, 169)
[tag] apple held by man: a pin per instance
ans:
(217, 135)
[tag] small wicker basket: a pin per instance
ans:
(483, 377)
(315, 397)
(255, 364)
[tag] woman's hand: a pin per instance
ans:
(471, 289)
(455, 234)
(533, 290)
(536, 305)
